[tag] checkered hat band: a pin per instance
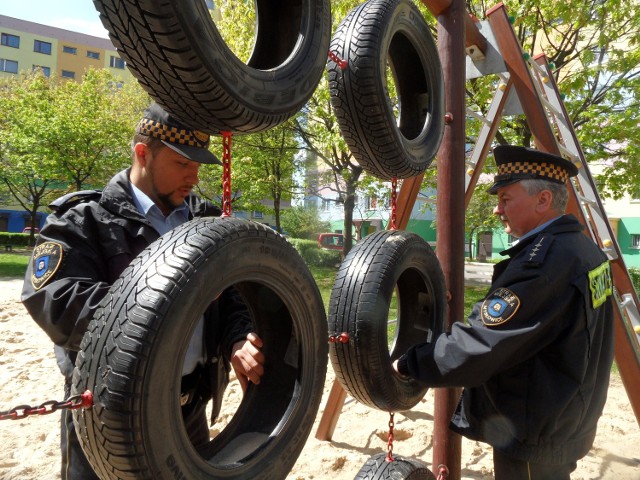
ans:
(159, 130)
(534, 170)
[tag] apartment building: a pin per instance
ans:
(26, 46)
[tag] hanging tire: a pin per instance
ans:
(373, 35)
(383, 263)
(377, 468)
(132, 355)
(175, 51)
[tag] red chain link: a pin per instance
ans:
(84, 400)
(226, 174)
(443, 472)
(342, 64)
(394, 204)
(389, 457)
(339, 337)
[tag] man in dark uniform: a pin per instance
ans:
(534, 356)
(92, 236)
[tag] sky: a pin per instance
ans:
(75, 15)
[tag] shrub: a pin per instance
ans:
(13, 239)
(634, 273)
(315, 256)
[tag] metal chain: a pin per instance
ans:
(339, 337)
(389, 457)
(84, 400)
(226, 174)
(443, 472)
(342, 64)
(394, 202)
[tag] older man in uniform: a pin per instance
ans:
(535, 354)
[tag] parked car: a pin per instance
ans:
(332, 241)
(28, 230)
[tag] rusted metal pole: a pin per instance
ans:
(450, 215)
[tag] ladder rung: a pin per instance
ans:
(586, 200)
(477, 116)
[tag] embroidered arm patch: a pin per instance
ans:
(600, 284)
(47, 258)
(499, 307)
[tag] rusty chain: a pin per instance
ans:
(226, 174)
(84, 400)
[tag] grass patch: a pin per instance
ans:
(14, 265)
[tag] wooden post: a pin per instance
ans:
(450, 209)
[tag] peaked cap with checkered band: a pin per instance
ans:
(520, 163)
(192, 144)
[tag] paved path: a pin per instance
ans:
(476, 273)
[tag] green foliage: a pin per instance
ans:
(634, 273)
(314, 255)
(13, 239)
(300, 222)
(594, 48)
(58, 136)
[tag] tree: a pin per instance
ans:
(300, 222)
(594, 47)
(24, 163)
(90, 133)
(64, 136)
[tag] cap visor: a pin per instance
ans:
(195, 154)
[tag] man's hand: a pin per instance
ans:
(247, 360)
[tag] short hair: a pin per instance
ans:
(154, 144)
(559, 192)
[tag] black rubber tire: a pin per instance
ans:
(132, 354)
(384, 262)
(401, 468)
(175, 51)
(374, 34)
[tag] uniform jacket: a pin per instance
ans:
(100, 234)
(535, 354)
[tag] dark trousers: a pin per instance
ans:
(75, 465)
(508, 468)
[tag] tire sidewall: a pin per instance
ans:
(155, 374)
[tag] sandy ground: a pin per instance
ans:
(29, 375)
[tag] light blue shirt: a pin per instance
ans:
(537, 229)
(162, 224)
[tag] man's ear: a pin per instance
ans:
(545, 200)
(141, 150)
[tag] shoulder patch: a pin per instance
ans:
(499, 307)
(600, 284)
(46, 258)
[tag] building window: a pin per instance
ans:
(46, 71)
(9, 40)
(42, 47)
(256, 214)
(9, 66)
(635, 240)
(95, 55)
(68, 74)
(372, 203)
(68, 49)
(116, 62)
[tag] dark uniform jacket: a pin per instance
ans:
(100, 233)
(536, 353)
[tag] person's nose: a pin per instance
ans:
(193, 174)
(497, 210)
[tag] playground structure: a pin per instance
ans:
(479, 48)
(469, 49)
